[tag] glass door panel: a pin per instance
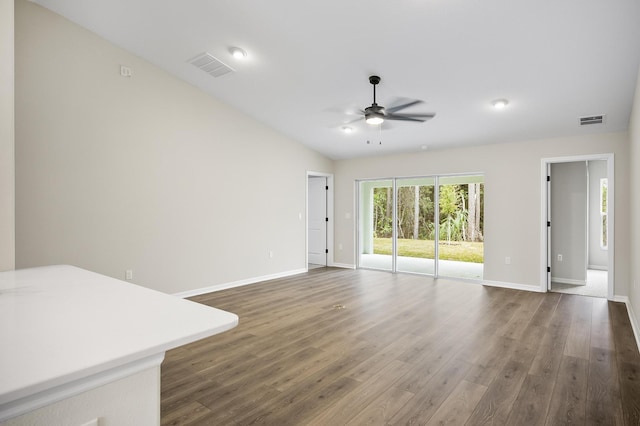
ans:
(426, 225)
(461, 228)
(415, 225)
(375, 231)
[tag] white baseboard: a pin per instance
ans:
(634, 324)
(568, 281)
(513, 286)
(343, 265)
(621, 299)
(218, 287)
(632, 317)
(598, 267)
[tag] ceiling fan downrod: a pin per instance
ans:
(374, 79)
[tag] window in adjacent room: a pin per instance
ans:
(603, 213)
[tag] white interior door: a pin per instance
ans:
(317, 219)
(569, 226)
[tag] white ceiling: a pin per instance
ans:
(554, 60)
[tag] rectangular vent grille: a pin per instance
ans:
(211, 65)
(592, 119)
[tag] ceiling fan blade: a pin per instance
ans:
(404, 105)
(353, 121)
(417, 115)
(400, 118)
(349, 109)
(409, 117)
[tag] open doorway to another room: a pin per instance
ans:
(579, 257)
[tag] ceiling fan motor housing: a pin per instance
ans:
(374, 110)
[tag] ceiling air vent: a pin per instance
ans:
(592, 119)
(211, 65)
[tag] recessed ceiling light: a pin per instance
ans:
(347, 129)
(238, 53)
(500, 103)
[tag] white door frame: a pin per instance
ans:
(330, 216)
(544, 208)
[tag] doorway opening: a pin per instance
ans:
(577, 245)
(319, 220)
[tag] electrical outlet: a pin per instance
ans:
(125, 71)
(559, 258)
(128, 275)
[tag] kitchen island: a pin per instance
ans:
(80, 348)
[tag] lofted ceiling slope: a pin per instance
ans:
(308, 63)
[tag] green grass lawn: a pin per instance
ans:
(462, 251)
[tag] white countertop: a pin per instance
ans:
(60, 324)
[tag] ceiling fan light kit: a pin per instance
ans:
(374, 119)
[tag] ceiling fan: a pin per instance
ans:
(377, 114)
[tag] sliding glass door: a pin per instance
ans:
(416, 225)
(427, 225)
(375, 219)
(461, 248)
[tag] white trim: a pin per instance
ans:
(49, 396)
(240, 283)
(598, 267)
(544, 162)
(568, 281)
(634, 322)
(632, 317)
(514, 286)
(611, 220)
(343, 265)
(621, 299)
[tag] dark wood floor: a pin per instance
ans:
(336, 347)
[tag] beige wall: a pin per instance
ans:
(7, 187)
(145, 173)
(149, 174)
(512, 198)
(634, 131)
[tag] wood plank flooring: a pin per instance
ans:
(345, 347)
